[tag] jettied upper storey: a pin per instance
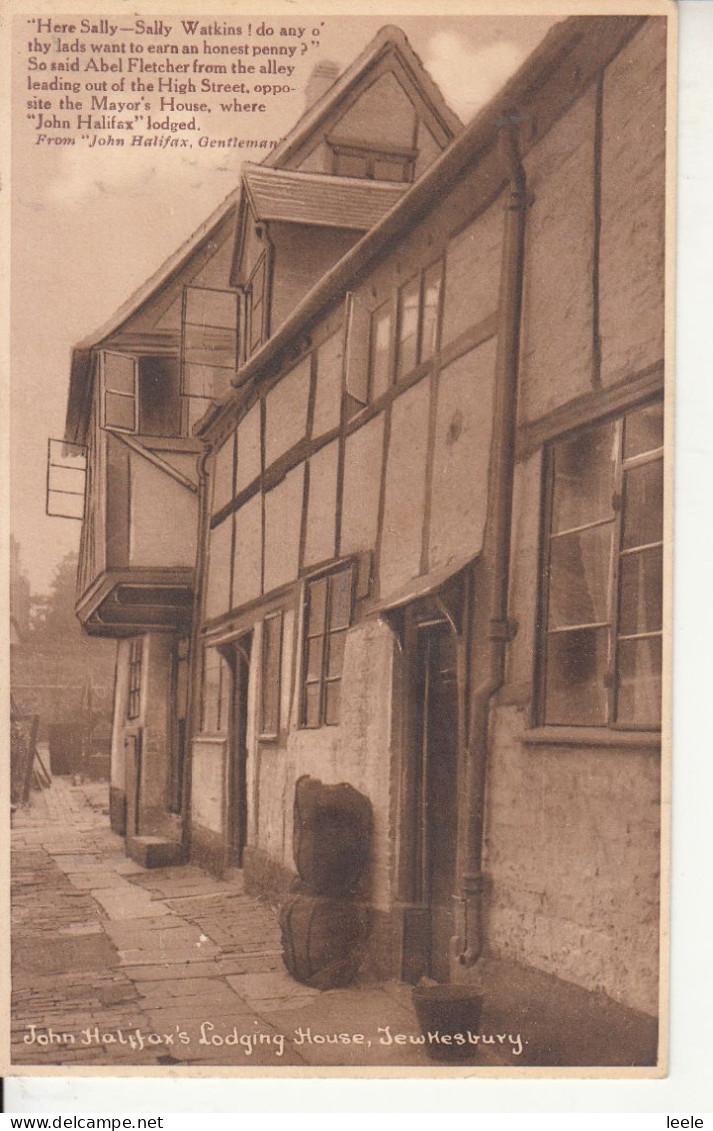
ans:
(140, 383)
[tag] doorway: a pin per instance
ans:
(437, 733)
(132, 755)
(237, 653)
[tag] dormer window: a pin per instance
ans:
(368, 163)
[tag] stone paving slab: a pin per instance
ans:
(170, 970)
(134, 957)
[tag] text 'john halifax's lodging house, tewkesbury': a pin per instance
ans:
(374, 494)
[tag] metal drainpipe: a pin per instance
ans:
(194, 667)
(495, 563)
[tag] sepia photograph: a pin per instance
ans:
(340, 561)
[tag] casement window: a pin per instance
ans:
(215, 701)
(66, 479)
(256, 305)
(380, 350)
(327, 616)
(120, 391)
(407, 338)
(602, 580)
(209, 341)
(136, 650)
(374, 165)
(419, 303)
(270, 676)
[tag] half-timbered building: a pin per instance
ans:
(423, 367)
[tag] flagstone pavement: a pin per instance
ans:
(115, 965)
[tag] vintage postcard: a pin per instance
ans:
(340, 563)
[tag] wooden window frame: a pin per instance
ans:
(386, 307)
(67, 451)
(421, 276)
(370, 155)
(267, 733)
(136, 661)
(323, 680)
(261, 264)
(622, 465)
(119, 393)
(186, 324)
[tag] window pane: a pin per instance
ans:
(317, 606)
(119, 411)
(119, 373)
(312, 694)
(643, 430)
(641, 585)
(211, 308)
(63, 505)
(350, 165)
(380, 351)
(408, 326)
(333, 696)
(341, 600)
(258, 282)
(335, 660)
(272, 631)
(431, 300)
(639, 682)
(315, 648)
(576, 664)
(205, 345)
(584, 478)
(643, 504)
(580, 567)
(68, 479)
(389, 169)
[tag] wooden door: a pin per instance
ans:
(439, 776)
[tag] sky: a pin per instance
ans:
(89, 226)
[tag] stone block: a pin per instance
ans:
(154, 851)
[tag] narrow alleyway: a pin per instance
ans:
(114, 964)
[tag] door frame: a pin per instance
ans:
(448, 605)
(133, 766)
(238, 653)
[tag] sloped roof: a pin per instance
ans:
(601, 36)
(318, 198)
(388, 38)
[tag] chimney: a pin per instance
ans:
(323, 76)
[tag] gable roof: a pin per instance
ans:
(387, 39)
(318, 198)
